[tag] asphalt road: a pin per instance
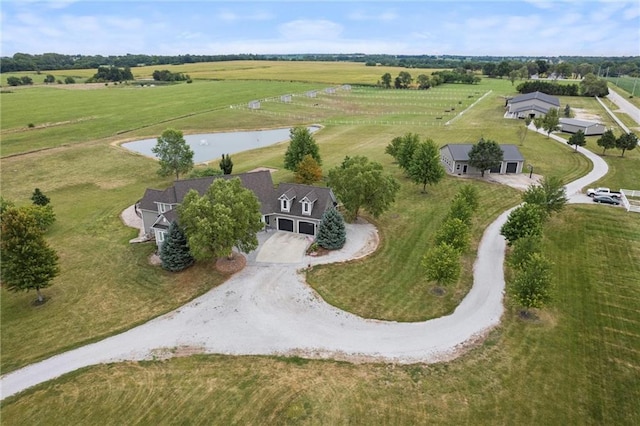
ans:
(624, 105)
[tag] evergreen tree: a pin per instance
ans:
(331, 233)
(39, 198)
(226, 165)
(174, 252)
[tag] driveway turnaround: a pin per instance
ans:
(268, 309)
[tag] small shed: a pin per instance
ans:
(330, 90)
(312, 93)
(589, 128)
(254, 105)
(455, 159)
(346, 87)
(285, 98)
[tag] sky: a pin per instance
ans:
(425, 27)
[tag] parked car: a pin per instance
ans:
(607, 199)
(602, 191)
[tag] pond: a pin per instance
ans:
(211, 146)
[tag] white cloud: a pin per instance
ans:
(360, 15)
(305, 29)
(632, 12)
(230, 16)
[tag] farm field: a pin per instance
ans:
(106, 284)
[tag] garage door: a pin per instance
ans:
(306, 228)
(285, 225)
(512, 167)
(495, 169)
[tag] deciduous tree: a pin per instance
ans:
(551, 121)
(607, 141)
(442, 264)
(226, 216)
(423, 81)
(523, 221)
(174, 154)
(26, 260)
(359, 183)
(302, 143)
(308, 171)
(425, 167)
(577, 139)
(407, 146)
(531, 286)
(550, 195)
(627, 142)
(454, 232)
(174, 252)
(386, 80)
(485, 154)
(331, 233)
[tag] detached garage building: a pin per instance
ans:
(455, 159)
(589, 128)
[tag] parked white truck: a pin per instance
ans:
(592, 192)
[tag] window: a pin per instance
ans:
(160, 235)
(284, 205)
(305, 208)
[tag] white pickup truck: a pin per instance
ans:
(592, 192)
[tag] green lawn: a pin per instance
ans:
(106, 285)
(577, 365)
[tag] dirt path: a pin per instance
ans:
(269, 309)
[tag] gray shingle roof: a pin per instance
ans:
(325, 198)
(536, 95)
(575, 122)
(460, 152)
(531, 108)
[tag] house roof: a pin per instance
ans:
(460, 152)
(536, 95)
(260, 183)
(324, 198)
(579, 123)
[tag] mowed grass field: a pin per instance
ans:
(551, 371)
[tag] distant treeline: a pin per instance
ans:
(494, 66)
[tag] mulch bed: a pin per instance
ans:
(228, 267)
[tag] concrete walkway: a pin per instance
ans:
(268, 309)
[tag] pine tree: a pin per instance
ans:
(174, 252)
(39, 198)
(331, 233)
(226, 165)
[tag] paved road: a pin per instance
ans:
(267, 308)
(624, 105)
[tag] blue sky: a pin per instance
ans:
(500, 28)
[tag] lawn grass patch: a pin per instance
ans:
(577, 365)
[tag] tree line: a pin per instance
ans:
(492, 66)
(590, 85)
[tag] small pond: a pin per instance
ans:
(211, 146)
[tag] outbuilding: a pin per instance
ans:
(589, 128)
(531, 105)
(455, 159)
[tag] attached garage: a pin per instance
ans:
(307, 228)
(285, 225)
(495, 169)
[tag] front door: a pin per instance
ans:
(464, 169)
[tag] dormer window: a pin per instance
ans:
(286, 199)
(307, 203)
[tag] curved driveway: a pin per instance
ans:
(268, 309)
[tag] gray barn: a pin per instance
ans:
(455, 159)
(589, 128)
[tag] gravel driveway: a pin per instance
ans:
(267, 308)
